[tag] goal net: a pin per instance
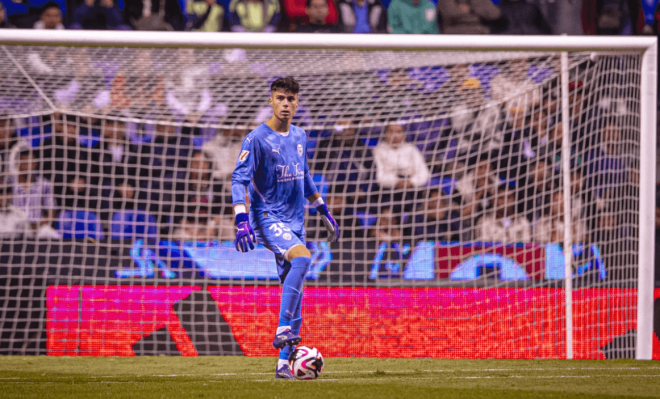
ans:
(489, 202)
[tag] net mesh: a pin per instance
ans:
(443, 169)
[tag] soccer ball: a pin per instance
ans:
(306, 363)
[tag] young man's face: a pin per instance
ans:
(395, 134)
(317, 11)
(284, 104)
(51, 17)
(26, 164)
(199, 164)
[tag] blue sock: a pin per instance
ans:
(292, 290)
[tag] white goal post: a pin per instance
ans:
(646, 47)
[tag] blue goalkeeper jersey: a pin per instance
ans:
(274, 168)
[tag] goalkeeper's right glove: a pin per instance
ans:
(245, 237)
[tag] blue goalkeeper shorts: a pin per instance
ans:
(278, 238)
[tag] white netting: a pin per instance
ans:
(443, 169)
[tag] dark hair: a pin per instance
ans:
(50, 4)
(285, 84)
(68, 118)
(25, 153)
(6, 189)
(308, 3)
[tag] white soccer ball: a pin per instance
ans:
(306, 363)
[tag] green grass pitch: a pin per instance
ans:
(242, 377)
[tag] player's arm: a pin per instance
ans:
(246, 165)
(312, 195)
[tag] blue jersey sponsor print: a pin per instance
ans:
(274, 168)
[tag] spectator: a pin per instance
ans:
(204, 205)
(254, 15)
(50, 17)
(33, 196)
(606, 17)
(475, 122)
(513, 87)
(520, 17)
(503, 224)
(399, 165)
(544, 135)
(550, 227)
(412, 16)
(139, 85)
(196, 226)
(72, 165)
(535, 189)
(606, 164)
(164, 168)
(187, 90)
(119, 161)
(13, 221)
(224, 149)
(344, 160)
(7, 142)
(4, 22)
(387, 228)
(98, 15)
(317, 11)
(516, 151)
(361, 16)
(473, 194)
(435, 220)
(204, 15)
(201, 184)
(160, 15)
(467, 16)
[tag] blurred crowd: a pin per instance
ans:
(488, 172)
(531, 17)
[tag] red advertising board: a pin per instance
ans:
(363, 322)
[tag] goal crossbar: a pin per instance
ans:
(328, 41)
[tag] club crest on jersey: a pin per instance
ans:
(243, 155)
(300, 150)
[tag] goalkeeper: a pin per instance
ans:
(273, 166)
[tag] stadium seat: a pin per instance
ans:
(79, 224)
(132, 225)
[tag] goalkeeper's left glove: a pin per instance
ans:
(329, 222)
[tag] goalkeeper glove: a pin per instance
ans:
(245, 236)
(329, 222)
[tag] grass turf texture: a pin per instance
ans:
(242, 377)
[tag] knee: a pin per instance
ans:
(299, 251)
